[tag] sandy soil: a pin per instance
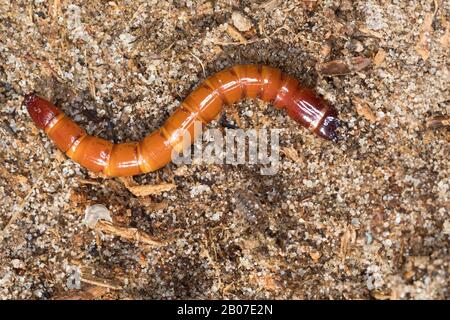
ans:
(364, 218)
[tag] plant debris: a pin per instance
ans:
(364, 218)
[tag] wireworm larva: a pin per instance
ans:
(203, 104)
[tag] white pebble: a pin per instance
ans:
(241, 22)
(95, 213)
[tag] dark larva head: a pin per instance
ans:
(40, 110)
(314, 113)
(329, 125)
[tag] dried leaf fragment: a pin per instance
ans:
(438, 122)
(370, 32)
(326, 50)
(363, 109)
(310, 5)
(292, 154)
(359, 63)
(131, 234)
(334, 67)
(235, 34)
(379, 57)
(270, 5)
(341, 67)
(145, 190)
(378, 295)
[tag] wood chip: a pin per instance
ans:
(60, 157)
(334, 67)
(87, 181)
(153, 206)
(292, 154)
(145, 190)
(445, 39)
(378, 295)
(269, 283)
(363, 109)
(91, 293)
(341, 67)
(371, 32)
(325, 50)
(315, 255)
(379, 57)
(235, 34)
(270, 5)
(310, 5)
(131, 234)
(205, 9)
(100, 282)
(347, 239)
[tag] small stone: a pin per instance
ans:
(446, 227)
(95, 213)
(356, 223)
(198, 189)
(16, 263)
(315, 255)
(215, 216)
(241, 22)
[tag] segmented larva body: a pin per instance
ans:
(203, 104)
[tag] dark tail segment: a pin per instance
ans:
(314, 113)
(329, 126)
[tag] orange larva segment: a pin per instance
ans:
(231, 87)
(206, 101)
(204, 104)
(287, 91)
(124, 160)
(211, 107)
(64, 133)
(252, 80)
(228, 84)
(271, 82)
(239, 70)
(91, 152)
(156, 151)
(307, 109)
(179, 124)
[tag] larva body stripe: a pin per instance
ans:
(203, 104)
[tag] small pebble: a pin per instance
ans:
(241, 22)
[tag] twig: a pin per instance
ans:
(132, 234)
(101, 283)
(201, 63)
